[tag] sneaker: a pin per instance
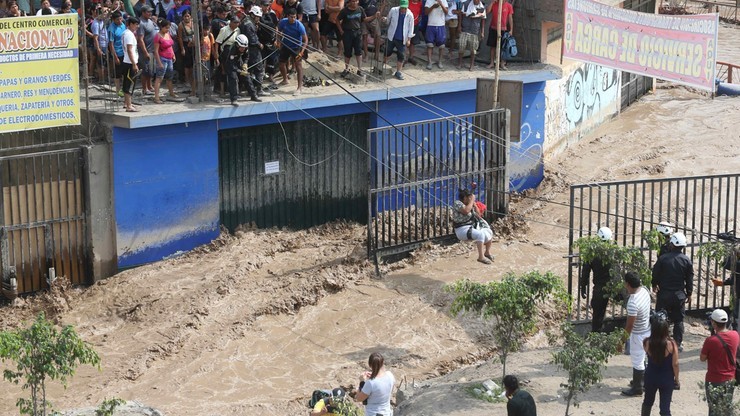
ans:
(255, 99)
(344, 73)
(429, 66)
(398, 75)
(439, 65)
(264, 93)
(412, 61)
(359, 73)
(234, 103)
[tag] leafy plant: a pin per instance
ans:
(653, 239)
(511, 303)
(722, 401)
(621, 259)
(584, 359)
(109, 406)
(346, 408)
(41, 352)
(714, 250)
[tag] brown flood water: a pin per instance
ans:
(254, 323)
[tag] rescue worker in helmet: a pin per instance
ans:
(665, 229)
(600, 269)
(673, 280)
(235, 66)
(732, 261)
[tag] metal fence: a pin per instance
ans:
(701, 207)
(42, 220)
(418, 170)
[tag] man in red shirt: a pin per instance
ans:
(720, 353)
(506, 22)
(415, 7)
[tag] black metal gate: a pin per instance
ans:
(701, 207)
(418, 170)
(42, 218)
(297, 174)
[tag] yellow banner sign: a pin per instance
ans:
(39, 72)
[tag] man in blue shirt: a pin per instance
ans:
(292, 39)
(115, 44)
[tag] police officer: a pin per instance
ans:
(600, 268)
(673, 279)
(235, 65)
(248, 28)
(732, 261)
(665, 229)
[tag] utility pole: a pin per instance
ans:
(197, 64)
(498, 52)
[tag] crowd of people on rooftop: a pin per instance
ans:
(277, 37)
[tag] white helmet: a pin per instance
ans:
(665, 228)
(242, 41)
(256, 10)
(604, 233)
(678, 240)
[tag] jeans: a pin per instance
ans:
(666, 393)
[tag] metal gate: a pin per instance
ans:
(418, 169)
(701, 207)
(296, 174)
(42, 220)
(635, 86)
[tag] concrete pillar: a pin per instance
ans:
(100, 213)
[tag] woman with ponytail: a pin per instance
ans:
(376, 387)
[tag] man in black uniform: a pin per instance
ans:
(235, 65)
(520, 402)
(600, 268)
(267, 34)
(732, 280)
(673, 279)
(248, 28)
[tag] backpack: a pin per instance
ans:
(508, 47)
(317, 396)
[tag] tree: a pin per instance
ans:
(584, 359)
(622, 259)
(511, 303)
(41, 352)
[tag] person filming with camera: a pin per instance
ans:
(720, 353)
(470, 226)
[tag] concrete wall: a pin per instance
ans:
(585, 97)
(101, 230)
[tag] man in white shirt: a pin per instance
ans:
(435, 34)
(638, 328)
(130, 60)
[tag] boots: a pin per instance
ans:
(645, 410)
(637, 382)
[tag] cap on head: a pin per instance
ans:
(665, 228)
(604, 233)
(404, 3)
(337, 393)
(678, 240)
(256, 10)
(719, 316)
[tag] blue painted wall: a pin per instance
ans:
(526, 167)
(166, 190)
(166, 178)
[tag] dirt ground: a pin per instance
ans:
(253, 323)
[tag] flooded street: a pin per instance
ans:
(254, 322)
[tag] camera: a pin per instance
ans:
(330, 409)
(708, 322)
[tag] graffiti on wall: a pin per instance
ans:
(589, 90)
(526, 165)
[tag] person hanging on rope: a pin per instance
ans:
(470, 226)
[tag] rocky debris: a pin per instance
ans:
(130, 408)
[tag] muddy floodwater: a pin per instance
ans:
(254, 322)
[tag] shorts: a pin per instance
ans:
(330, 29)
(311, 18)
(167, 70)
(118, 70)
(452, 23)
(469, 42)
(352, 41)
(187, 60)
(398, 46)
(435, 36)
(286, 53)
(129, 79)
(206, 67)
(147, 65)
(491, 41)
(418, 36)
